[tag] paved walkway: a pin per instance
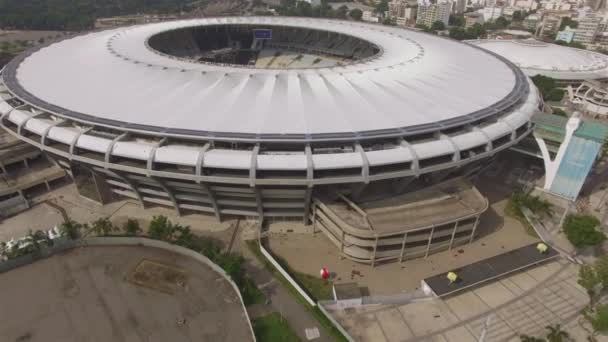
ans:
(298, 318)
(524, 303)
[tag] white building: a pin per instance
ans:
(430, 13)
(491, 13)
(588, 29)
(370, 16)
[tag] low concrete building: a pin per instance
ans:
(592, 96)
(402, 227)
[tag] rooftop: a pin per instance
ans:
(114, 78)
(435, 205)
(539, 58)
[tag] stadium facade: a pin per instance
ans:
(210, 116)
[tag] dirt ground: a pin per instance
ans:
(83, 295)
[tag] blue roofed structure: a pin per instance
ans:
(569, 148)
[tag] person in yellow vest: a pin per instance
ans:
(541, 247)
(452, 277)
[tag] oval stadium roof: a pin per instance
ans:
(556, 61)
(114, 78)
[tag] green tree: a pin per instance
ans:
(458, 33)
(517, 16)
(559, 112)
(566, 21)
(341, 12)
(71, 229)
(356, 14)
(161, 228)
(556, 334)
(381, 7)
(102, 227)
(526, 338)
(131, 227)
(598, 317)
(456, 20)
(590, 280)
(601, 269)
(501, 22)
(438, 26)
(556, 95)
(580, 230)
(476, 31)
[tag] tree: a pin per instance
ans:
(501, 22)
(601, 269)
(548, 88)
(102, 227)
(458, 33)
(559, 112)
(131, 227)
(526, 338)
(476, 31)
(567, 21)
(161, 228)
(556, 334)
(556, 95)
(341, 12)
(456, 20)
(356, 14)
(71, 229)
(438, 26)
(381, 7)
(589, 279)
(517, 16)
(598, 317)
(580, 230)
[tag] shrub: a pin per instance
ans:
(160, 228)
(102, 227)
(598, 317)
(131, 227)
(580, 230)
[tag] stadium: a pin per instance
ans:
(278, 118)
(568, 66)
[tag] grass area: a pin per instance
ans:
(334, 333)
(535, 204)
(250, 292)
(316, 287)
(272, 328)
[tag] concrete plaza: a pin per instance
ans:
(83, 295)
(524, 303)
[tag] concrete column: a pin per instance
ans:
(474, 229)
(453, 234)
(374, 255)
(403, 247)
(169, 192)
(108, 153)
(133, 187)
(415, 160)
(258, 200)
(365, 167)
(75, 141)
(211, 195)
(307, 200)
(314, 219)
(254, 165)
(428, 246)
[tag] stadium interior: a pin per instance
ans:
(267, 47)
